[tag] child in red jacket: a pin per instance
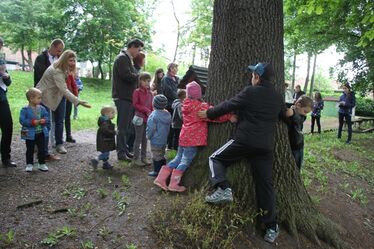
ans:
(194, 133)
(142, 101)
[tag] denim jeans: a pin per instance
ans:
(299, 157)
(183, 159)
(58, 116)
(104, 156)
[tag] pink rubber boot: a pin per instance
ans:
(162, 177)
(175, 179)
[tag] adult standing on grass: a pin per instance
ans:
(42, 62)
(55, 92)
(346, 102)
(6, 122)
(124, 82)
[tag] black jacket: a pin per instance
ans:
(295, 131)
(105, 138)
(259, 108)
(41, 64)
(125, 78)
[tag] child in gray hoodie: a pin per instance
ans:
(158, 126)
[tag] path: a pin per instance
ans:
(72, 184)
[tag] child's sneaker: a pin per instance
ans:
(220, 196)
(43, 167)
(271, 234)
(106, 165)
(29, 167)
(94, 163)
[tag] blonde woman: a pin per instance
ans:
(55, 92)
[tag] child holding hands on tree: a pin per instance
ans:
(296, 116)
(34, 119)
(194, 134)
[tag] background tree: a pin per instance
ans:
(19, 20)
(244, 34)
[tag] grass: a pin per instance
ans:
(97, 92)
(353, 166)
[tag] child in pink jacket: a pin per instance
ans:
(194, 133)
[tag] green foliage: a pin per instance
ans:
(125, 181)
(131, 246)
(88, 244)
(8, 238)
(199, 225)
(104, 232)
(312, 26)
(154, 62)
(121, 202)
(103, 193)
(75, 192)
(54, 238)
(81, 211)
(358, 194)
(364, 107)
(325, 158)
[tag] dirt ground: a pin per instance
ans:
(68, 196)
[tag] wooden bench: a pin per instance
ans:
(357, 121)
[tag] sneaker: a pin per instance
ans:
(29, 167)
(61, 149)
(42, 167)
(153, 173)
(138, 162)
(51, 157)
(106, 165)
(271, 234)
(94, 163)
(220, 196)
(146, 161)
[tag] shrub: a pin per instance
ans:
(364, 107)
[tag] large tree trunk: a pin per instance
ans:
(307, 73)
(246, 32)
(313, 76)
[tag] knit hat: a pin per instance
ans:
(193, 90)
(160, 102)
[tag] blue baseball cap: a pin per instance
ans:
(264, 70)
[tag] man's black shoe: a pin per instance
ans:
(70, 140)
(9, 163)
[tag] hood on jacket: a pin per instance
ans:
(163, 116)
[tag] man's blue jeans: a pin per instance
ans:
(183, 158)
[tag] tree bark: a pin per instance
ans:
(313, 76)
(307, 73)
(246, 32)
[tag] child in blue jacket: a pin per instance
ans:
(158, 126)
(34, 119)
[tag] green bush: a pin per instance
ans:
(364, 107)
